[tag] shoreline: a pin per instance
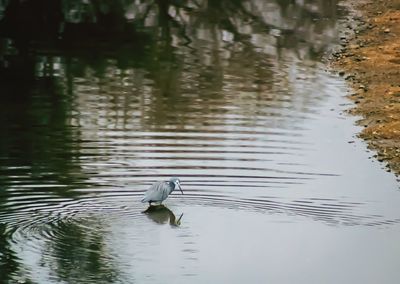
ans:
(369, 61)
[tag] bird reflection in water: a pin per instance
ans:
(162, 214)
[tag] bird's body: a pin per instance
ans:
(159, 191)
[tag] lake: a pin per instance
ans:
(99, 101)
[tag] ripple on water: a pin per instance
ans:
(241, 121)
(46, 218)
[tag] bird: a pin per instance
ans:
(160, 190)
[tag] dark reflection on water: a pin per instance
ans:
(99, 100)
(162, 214)
(77, 253)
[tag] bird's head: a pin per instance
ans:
(177, 183)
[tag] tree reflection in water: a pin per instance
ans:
(78, 254)
(152, 65)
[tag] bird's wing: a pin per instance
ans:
(157, 192)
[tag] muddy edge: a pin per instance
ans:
(369, 60)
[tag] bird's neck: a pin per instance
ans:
(172, 186)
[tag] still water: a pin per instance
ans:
(230, 96)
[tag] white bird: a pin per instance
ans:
(159, 191)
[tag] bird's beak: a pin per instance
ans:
(180, 188)
(179, 220)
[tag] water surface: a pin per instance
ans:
(230, 96)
